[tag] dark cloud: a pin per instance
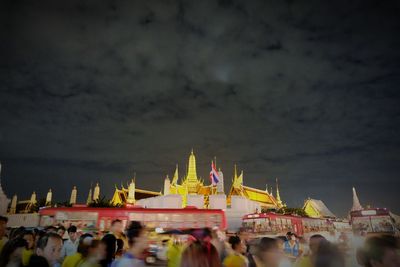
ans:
(303, 91)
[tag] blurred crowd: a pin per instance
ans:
(129, 247)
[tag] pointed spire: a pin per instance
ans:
(96, 193)
(272, 191)
(235, 173)
(278, 196)
(356, 201)
(72, 199)
(266, 188)
(175, 177)
(192, 173)
(13, 207)
(90, 196)
(49, 197)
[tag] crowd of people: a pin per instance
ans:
(60, 247)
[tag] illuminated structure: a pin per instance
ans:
(191, 184)
(131, 194)
(356, 201)
(263, 197)
(317, 209)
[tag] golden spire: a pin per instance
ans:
(192, 174)
(234, 173)
(278, 197)
(175, 177)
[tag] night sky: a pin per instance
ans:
(306, 91)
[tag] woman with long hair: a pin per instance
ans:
(198, 254)
(11, 255)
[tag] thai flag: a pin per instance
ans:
(214, 177)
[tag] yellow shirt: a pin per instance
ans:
(72, 260)
(3, 241)
(26, 256)
(303, 261)
(235, 260)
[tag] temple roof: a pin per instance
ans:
(317, 209)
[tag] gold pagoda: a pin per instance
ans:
(191, 184)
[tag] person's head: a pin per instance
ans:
(315, 240)
(61, 231)
(267, 251)
(94, 249)
(199, 255)
(3, 226)
(12, 251)
(237, 244)
(380, 251)
(72, 233)
(291, 236)
(29, 238)
(49, 246)
(281, 241)
(116, 226)
(328, 255)
(136, 237)
(110, 242)
(51, 229)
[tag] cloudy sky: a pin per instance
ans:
(305, 91)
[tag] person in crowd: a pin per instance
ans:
(49, 246)
(197, 254)
(308, 259)
(51, 229)
(291, 247)
(61, 231)
(328, 255)
(174, 252)
(267, 253)
(137, 240)
(379, 251)
(74, 259)
(120, 249)
(11, 255)
(71, 244)
(117, 229)
(95, 252)
(3, 228)
(236, 259)
(110, 243)
(29, 237)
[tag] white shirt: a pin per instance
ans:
(69, 247)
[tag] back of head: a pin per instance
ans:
(42, 242)
(265, 244)
(38, 261)
(329, 255)
(110, 240)
(9, 248)
(198, 254)
(374, 249)
(134, 230)
(234, 241)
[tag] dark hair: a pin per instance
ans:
(110, 242)
(329, 255)
(9, 248)
(3, 219)
(265, 244)
(317, 236)
(38, 261)
(281, 237)
(374, 249)
(115, 221)
(27, 232)
(134, 230)
(82, 248)
(199, 255)
(50, 228)
(234, 241)
(61, 228)
(42, 242)
(72, 229)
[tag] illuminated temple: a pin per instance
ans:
(191, 184)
